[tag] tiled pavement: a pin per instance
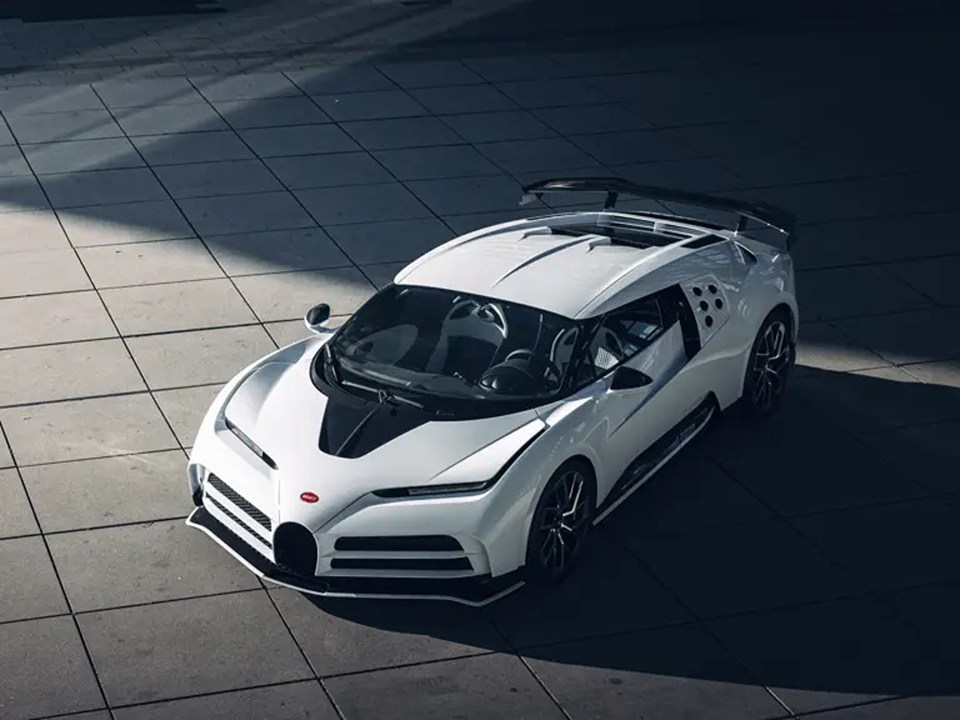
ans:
(158, 233)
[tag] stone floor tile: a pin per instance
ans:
(498, 126)
(273, 112)
(45, 649)
(92, 493)
(361, 203)
(555, 92)
(192, 147)
(154, 262)
(933, 278)
(391, 241)
(938, 706)
(168, 119)
(184, 409)
(931, 611)
(41, 271)
(125, 223)
(73, 125)
(288, 332)
(53, 319)
(496, 68)
(270, 142)
(170, 360)
(592, 118)
(28, 583)
(287, 296)
(66, 371)
(236, 640)
(463, 99)
(21, 193)
(928, 453)
(277, 251)
(31, 230)
(340, 79)
(245, 213)
(80, 155)
(636, 146)
(136, 564)
(478, 687)
(101, 187)
(693, 174)
(382, 274)
(231, 177)
(907, 337)
(469, 195)
(823, 347)
(16, 515)
(855, 292)
(546, 154)
(247, 86)
(344, 637)
(429, 73)
(6, 137)
(678, 672)
(328, 170)
(401, 133)
(444, 161)
(147, 92)
(12, 162)
(64, 98)
(375, 105)
(81, 429)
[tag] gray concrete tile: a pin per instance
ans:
(231, 214)
(147, 92)
(53, 319)
(12, 162)
(298, 140)
(392, 241)
(636, 146)
(497, 68)
(607, 576)
(732, 139)
(889, 239)
(945, 373)
(5, 459)
(81, 429)
(861, 540)
(429, 73)
(714, 572)
(75, 156)
(907, 337)
(247, 86)
(855, 291)
(498, 126)
(145, 263)
(217, 178)
(65, 98)
(932, 278)
(518, 156)
(184, 409)
(236, 640)
(97, 367)
(554, 92)
(340, 79)
(901, 709)
(344, 637)
(101, 187)
(169, 119)
(273, 112)
(287, 296)
(170, 360)
(45, 649)
(278, 251)
(28, 583)
(190, 147)
(41, 271)
(445, 161)
(125, 223)
(871, 655)
(931, 611)
(476, 687)
(16, 516)
(463, 99)
(21, 193)
(135, 564)
(693, 174)
(928, 452)
(93, 493)
(310, 171)
(823, 347)
(665, 673)
(176, 306)
(361, 203)
(288, 332)
(401, 133)
(375, 105)
(6, 137)
(77, 125)
(382, 274)
(591, 118)
(31, 230)
(470, 195)
(294, 701)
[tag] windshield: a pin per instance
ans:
(441, 343)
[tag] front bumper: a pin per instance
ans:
(474, 590)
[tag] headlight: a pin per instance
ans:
(256, 449)
(435, 490)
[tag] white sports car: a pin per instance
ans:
(462, 432)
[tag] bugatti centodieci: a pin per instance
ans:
(462, 432)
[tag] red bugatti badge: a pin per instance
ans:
(309, 497)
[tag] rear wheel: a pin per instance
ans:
(560, 524)
(769, 366)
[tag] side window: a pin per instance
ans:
(621, 335)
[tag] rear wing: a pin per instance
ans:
(763, 213)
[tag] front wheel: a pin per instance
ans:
(560, 524)
(768, 367)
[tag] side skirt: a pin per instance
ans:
(656, 456)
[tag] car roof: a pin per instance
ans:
(574, 264)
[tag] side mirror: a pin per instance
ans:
(316, 317)
(628, 378)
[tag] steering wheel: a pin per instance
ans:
(550, 367)
(493, 313)
(518, 353)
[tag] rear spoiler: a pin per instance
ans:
(763, 213)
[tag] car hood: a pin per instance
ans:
(341, 448)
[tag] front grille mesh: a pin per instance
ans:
(257, 515)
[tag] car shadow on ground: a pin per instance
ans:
(814, 554)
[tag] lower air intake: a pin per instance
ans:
(295, 550)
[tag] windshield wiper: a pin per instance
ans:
(384, 396)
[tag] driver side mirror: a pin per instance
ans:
(316, 316)
(628, 378)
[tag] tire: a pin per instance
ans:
(561, 523)
(768, 367)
